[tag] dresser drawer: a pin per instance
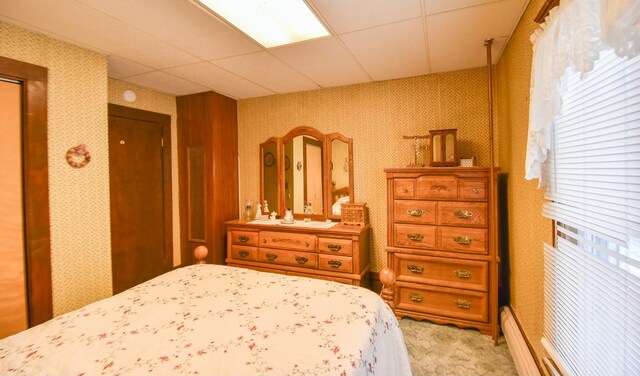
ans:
(404, 188)
(335, 246)
(323, 277)
(460, 304)
(463, 239)
(473, 189)
(462, 214)
(448, 272)
(437, 187)
(244, 237)
(284, 257)
(285, 240)
(414, 236)
(410, 211)
(240, 252)
(335, 263)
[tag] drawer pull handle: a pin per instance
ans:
(463, 214)
(243, 253)
(334, 247)
(415, 212)
(415, 237)
(464, 240)
(415, 297)
(243, 238)
(405, 189)
(474, 190)
(439, 188)
(464, 274)
(463, 304)
(271, 256)
(334, 263)
(415, 268)
(301, 260)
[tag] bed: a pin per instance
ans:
(218, 320)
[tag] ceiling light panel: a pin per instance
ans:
(270, 22)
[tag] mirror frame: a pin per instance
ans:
(329, 185)
(326, 141)
(295, 132)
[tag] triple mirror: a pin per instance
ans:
(308, 172)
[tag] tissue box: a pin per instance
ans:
(468, 162)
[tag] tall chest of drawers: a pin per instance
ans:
(440, 244)
(339, 253)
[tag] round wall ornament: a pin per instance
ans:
(269, 159)
(78, 156)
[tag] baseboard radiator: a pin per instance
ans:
(522, 357)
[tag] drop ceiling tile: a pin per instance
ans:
(456, 38)
(267, 71)
(441, 6)
(325, 61)
(120, 67)
(166, 83)
(352, 15)
(181, 24)
(78, 24)
(220, 80)
(390, 51)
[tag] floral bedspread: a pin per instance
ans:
(218, 320)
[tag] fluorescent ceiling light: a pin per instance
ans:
(270, 22)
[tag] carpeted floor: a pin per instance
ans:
(448, 350)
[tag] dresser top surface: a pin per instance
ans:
(337, 229)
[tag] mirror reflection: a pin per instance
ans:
(340, 173)
(303, 175)
(269, 174)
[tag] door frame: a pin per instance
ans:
(35, 172)
(165, 120)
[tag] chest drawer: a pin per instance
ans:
(332, 246)
(244, 237)
(414, 236)
(461, 304)
(473, 189)
(458, 273)
(241, 252)
(463, 239)
(284, 257)
(284, 240)
(472, 214)
(335, 263)
(404, 188)
(410, 211)
(437, 187)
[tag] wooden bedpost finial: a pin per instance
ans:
(200, 253)
(388, 279)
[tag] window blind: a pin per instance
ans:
(592, 276)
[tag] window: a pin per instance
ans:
(584, 146)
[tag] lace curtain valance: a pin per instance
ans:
(571, 38)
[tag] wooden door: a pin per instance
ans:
(13, 286)
(140, 191)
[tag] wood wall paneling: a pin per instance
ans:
(208, 121)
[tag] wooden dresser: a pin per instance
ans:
(440, 245)
(339, 253)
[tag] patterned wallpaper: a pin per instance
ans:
(527, 228)
(150, 100)
(79, 198)
(376, 115)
